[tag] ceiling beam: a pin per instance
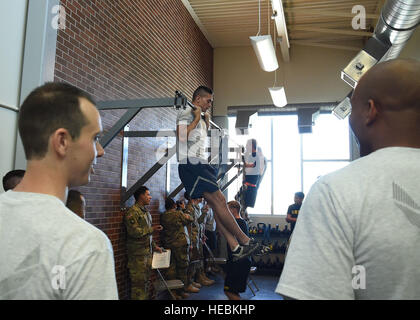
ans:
(330, 13)
(215, 3)
(334, 31)
(254, 7)
(280, 22)
(332, 5)
(323, 45)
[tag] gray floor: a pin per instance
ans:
(265, 283)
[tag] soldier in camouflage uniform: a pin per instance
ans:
(193, 234)
(140, 244)
(177, 239)
(194, 270)
(200, 274)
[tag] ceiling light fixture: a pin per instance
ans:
(278, 94)
(263, 47)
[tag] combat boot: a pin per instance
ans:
(176, 296)
(184, 295)
(206, 278)
(192, 289)
(196, 284)
(203, 281)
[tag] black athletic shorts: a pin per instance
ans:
(198, 178)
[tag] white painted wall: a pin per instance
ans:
(27, 59)
(12, 35)
(412, 48)
(12, 32)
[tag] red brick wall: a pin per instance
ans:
(130, 49)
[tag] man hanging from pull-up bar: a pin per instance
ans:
(200, 178)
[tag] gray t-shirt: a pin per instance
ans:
(358, 232)
(195, 148)
(48, 252)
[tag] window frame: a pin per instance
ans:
(351, 157)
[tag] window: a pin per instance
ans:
(294, 161)
(287, 162)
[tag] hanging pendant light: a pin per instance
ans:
(278, 95)
(263, 47)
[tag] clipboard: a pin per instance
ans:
(161, 260)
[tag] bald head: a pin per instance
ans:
(386, 106)
(394, 85)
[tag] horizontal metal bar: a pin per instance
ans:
(165, 133)
(230, 149)
(168, 155)
(136, 103)
(326, 160)
(150, 134)
(326, 107)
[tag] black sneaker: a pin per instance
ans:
(245, 250)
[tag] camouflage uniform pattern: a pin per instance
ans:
(138, 222)
(194, 229)
(202, 225)
(176, 238)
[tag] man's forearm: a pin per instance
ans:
(290, 219)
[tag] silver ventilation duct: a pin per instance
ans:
(397, 22)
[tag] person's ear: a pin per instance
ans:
(60, 141)
(372, 112)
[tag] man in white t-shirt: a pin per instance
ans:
(254, 166)
(200, 178)
(46, 251)
(358, 232)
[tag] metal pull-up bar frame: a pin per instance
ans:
(133, 108)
